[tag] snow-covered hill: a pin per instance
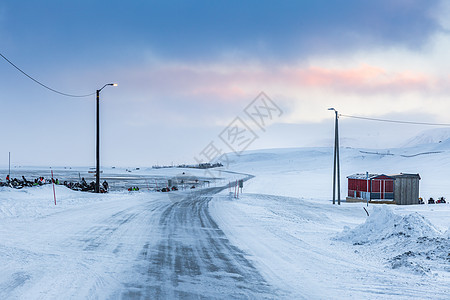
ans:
(307, 172)
(431, 136)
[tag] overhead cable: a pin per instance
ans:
(395, 121)
(43, 85)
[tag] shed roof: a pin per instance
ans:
(370, 176)
(405, 175)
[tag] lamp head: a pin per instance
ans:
(111, 84)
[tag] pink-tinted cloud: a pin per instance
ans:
(214, 83)
(231, 83)
(363, 79)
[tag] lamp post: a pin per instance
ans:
(97, 173)
(336, 169)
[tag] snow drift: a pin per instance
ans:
(407, 242)
(384, 224)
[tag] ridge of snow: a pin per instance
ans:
(431, 136)
(408, 242)
(384, 224)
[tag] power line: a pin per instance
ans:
(395, 121)
(41, 84)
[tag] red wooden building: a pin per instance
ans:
(371, 186)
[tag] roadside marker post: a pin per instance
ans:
(54, 193)
(241, 184)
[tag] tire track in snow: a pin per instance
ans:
(194, 259)
(97, 236)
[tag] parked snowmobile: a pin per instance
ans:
(441, 200)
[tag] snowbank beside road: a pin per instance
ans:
(39, 201)
(383, 224)
(293, 243)
(408, 242)
(78, 249)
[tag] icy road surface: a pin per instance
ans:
(192, 257)
(141, 246)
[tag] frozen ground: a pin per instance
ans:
(301, 242)
(317, 251)
(281, 239)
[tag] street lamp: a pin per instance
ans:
(336, 169)
(97, 173)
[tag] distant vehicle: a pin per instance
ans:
(441, 200)
(421, 200)
(431, 201)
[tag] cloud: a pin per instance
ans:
(363, 79)
(207, 30)
(212, 94)
(287, 29)
(232, 83)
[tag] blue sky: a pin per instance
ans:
(186, 69)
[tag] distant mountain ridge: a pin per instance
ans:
(439, 136)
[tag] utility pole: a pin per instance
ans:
(338, 175)
(9, 164)
(336, 167)
(97, 168)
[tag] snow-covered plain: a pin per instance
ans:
(302, 243)
(92, 246)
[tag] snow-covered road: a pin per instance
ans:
(143, 245)
(192, 257)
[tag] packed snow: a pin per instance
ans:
(93, 246)
(286, 223)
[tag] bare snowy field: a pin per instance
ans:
(281, 239)
(303, 244)
(317, 251)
